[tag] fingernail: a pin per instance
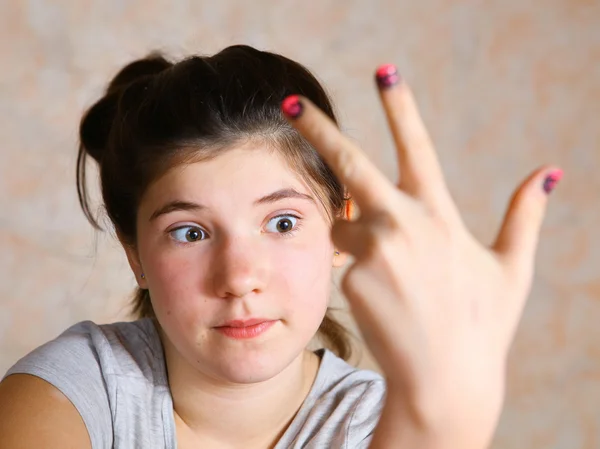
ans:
(292, 106)
(387, 76)
(551, 180)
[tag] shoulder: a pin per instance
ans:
(348, 386)
(359, 391)
(89, 363)
(342, 409)
(34, 413)
(114, 348)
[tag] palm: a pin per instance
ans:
(435, 307)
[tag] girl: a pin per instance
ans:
(232, 215)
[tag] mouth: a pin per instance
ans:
(245, 329)
(244, 323)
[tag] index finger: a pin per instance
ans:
(369, 187)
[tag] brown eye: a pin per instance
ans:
(192, 235)
(284, 224)
(188, 234)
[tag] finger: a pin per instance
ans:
(518, 237)
(370, 189)
(420, 172)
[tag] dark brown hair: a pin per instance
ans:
(157, 114)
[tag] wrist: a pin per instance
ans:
(402, 427)
(437, 419)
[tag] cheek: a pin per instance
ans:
(307, 281)
(174, 281)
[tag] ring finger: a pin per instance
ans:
(420, 172)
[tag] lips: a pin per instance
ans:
(244, 323)
(244, 329)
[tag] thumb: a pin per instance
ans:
(518, 238)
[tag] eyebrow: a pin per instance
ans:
(278, 195)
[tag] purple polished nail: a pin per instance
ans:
(551, 180)
(387, 76)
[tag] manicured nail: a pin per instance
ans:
(292, 106)
(387, 76)
(551, 180)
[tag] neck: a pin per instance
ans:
(206, 410)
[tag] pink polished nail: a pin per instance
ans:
(292, 106)
(387, 76)
(552, 180)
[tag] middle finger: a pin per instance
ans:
(420, 173)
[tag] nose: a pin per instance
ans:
(239, 270)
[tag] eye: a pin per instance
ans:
(285, 224)
(188, 234)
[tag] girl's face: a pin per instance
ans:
(236, 238)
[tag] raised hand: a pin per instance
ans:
(437, 308)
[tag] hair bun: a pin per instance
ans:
(97, 122)
(152, 64)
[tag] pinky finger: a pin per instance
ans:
(518, 238)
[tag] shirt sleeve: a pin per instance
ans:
(71, 363)
(365, 416)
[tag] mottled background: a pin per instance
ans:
(503, 85)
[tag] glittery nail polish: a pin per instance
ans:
(551, 180)
(387, 76)
(292, 106)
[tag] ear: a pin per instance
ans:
(134, 262)
(349, 211)
(340, 259)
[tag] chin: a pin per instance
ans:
(246, 365)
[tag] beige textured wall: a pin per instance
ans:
(503, 85)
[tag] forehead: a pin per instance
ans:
(245, 171)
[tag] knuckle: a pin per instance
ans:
(417, 137)
(345, 163)
(444, 221)
(341, 157)
(383, 236)
(385, 223)
(324, 135)
(440, 224)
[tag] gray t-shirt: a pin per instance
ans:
(115, 375)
